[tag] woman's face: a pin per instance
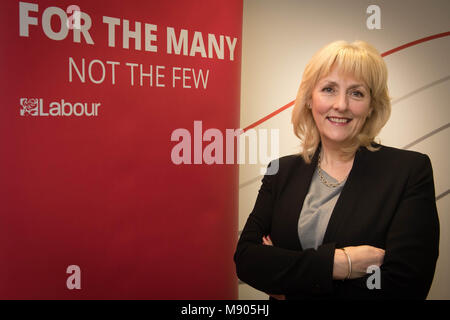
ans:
(340, 105)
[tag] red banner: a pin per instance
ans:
(93, 203)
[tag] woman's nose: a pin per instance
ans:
(341, 102)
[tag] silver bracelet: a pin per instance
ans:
(349, 264)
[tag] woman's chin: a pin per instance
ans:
(337, 139)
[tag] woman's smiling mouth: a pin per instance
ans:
(339, 121)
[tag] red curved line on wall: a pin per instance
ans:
(257, 123)
(413, 43)
(384, 54)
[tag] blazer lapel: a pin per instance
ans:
(296, 193)
(348, 198)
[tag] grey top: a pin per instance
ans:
(316, 211)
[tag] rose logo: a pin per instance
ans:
(29, 106)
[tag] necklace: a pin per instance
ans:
(322, 178)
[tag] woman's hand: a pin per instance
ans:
(361, 257)
(268, 242)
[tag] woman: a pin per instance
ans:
(345, 203)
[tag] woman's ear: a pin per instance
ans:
(308, 103)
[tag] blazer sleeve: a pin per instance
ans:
(412, 242)
(277, 270)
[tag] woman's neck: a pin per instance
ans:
(332, 156)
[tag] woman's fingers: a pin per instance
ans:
(267, 241)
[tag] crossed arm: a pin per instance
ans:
(361, 257)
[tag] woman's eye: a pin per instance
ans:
(327, 89)
(357, 94)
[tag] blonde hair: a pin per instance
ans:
(363, 62)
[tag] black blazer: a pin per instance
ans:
(388, 201)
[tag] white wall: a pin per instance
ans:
(279, 38)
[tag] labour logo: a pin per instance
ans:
(29, 106)
(60, 108)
